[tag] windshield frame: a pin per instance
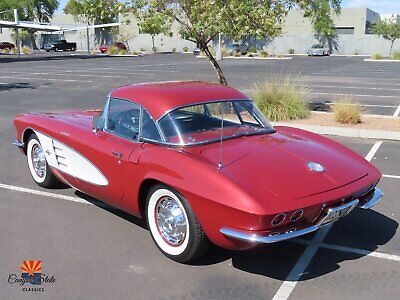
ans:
(267, 130)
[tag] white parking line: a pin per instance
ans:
(349, 249)
(349, 87)
(391, 176)
(45, 194)
(295, 274)
(355, 95)
(397, 112)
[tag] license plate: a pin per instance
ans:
(334, 214)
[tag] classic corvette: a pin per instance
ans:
(201, 164)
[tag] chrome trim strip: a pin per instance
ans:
(273, 238)
(375, 199)
(18, 143)
(248, 237)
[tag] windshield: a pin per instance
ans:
(203, 123)
(317, 46)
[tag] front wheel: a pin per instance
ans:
(173, 225)
(37, 164)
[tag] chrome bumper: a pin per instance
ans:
(374, 200)
(293, 233)
(18, 144)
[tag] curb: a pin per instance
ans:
(256, 58)
(347, 132)
(381, 60)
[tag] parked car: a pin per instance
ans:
(198, 166)
(61, 45)
(119, 45)
(6, 45)
(238, 49)
(196, 51)
(319, 50)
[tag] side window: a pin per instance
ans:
(149, 129)
(123, 119)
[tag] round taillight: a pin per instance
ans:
(278, 219)
(296, 215)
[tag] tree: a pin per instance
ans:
(389, 31)
(96, 12)
(153, 23)
(324, 26)
(200, 21)
(123, 34)
(31, 10)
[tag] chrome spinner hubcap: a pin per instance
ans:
(39, 161)
(171, 221)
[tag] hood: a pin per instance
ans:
(77, 118)
(277, 164)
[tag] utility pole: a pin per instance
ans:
(219, 51)
(87, 39)
(17, 32)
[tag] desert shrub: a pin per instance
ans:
(185, 49)
(174, 50)
(224, 52)
(113, 50)
(26, 50)
(356, 52)
(250, 54)
(252, 49)
(5, 50)
(154, 49)
(377, 56)
(142, 49)
(134, 53)
(264, 53)
(237, 54)
(291, 51)
(283, 97)
(347, 111)
(14, 50)
(396, 55)
(122, 52)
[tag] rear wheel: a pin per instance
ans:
(38, 166)
(173, 225)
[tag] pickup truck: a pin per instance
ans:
(60, 45)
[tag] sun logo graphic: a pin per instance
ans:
(32, 271)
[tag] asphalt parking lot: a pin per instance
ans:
(374, 85)
(96, 252)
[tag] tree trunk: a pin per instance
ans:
(152, 40)
(216, 66)
(391, 48)
(101, 37)
(33, 40)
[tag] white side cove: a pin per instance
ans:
(69, 161)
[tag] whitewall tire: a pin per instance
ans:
(173, 225)
(37, 164)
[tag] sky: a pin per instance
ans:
(380, 6)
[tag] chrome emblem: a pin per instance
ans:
(315, 167)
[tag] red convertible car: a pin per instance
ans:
(201, 164)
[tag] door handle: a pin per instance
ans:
(117, 154)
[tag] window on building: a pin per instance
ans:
(345, 30)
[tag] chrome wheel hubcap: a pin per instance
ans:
(171, 221)
(38, 160)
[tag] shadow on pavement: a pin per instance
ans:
(15, 86)
(320, 105)
(277, 260)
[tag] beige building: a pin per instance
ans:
(353, 29)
